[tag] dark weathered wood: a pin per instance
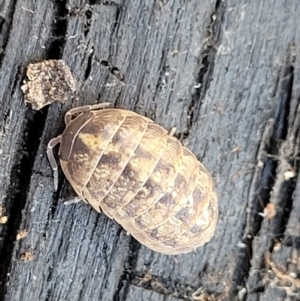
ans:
(137, 293)
(225, 74)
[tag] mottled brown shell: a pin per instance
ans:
(130, 168)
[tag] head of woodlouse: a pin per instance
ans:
(127, 166)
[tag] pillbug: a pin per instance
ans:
(130, 168)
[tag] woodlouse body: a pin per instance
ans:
(129, 167)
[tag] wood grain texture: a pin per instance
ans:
(136, 293)
(225, 74)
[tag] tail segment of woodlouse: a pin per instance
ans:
(189, 227)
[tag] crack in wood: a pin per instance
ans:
(117, 15)
(262, 182)
(166, 287)
(28, 146)
(18, 190)
(269, 184)
(206, 66)
(103, 2)
(7, 11)
(89, 64)
(59, 30)
(88, 15)
(128, 272)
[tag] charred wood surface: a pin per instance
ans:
(226, 75)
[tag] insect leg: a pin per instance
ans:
(74, 200)
(52, 143)
(172, 132)
(77, 110)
